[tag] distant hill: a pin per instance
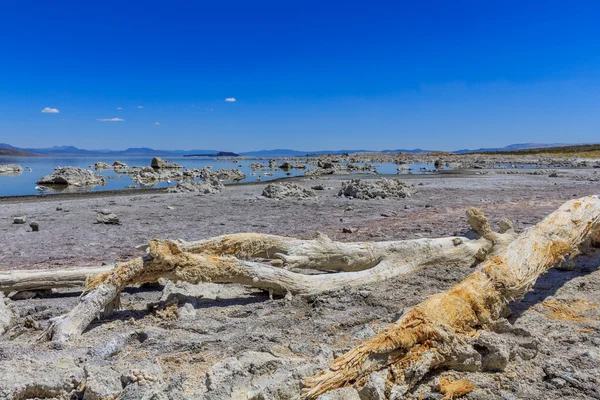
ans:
(8, 150)
(74, 151)
(297, 153)
(513, 147)
(583, 150)
(219, 154)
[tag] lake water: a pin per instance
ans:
(25, 183)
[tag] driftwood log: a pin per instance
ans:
(42, 279)
(230, 258)
(437, 331)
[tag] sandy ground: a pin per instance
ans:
(235, 339)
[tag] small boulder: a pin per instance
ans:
(284, 190)
(366, 189)
(19, 220)
(159, 163)
(10, 169)
(230, 175)
(73, 176)
(207, 186)
(107, 217)
(35, 227)
(100, 165)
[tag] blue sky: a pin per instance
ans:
(306, 75)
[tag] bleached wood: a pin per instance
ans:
(436, 331)
(39, 279)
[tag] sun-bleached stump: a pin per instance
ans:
(224, 260)
(436, 331)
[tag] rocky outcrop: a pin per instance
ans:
(73, 176)
(107, 217)
(100, 165)
(10, 169)
(284, 190)
(5, 315)
(159, 163)
(208, 186)
(372, 188)
(256, 166)
(230, 175)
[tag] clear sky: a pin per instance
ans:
(307, 75)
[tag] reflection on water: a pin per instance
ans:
(24, 183)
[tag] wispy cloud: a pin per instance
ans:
(157, 123)
(119, 108)
(230, 100)
(49, 110)
(140, 106)
(111, 119)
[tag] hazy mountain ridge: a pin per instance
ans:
(6, 149)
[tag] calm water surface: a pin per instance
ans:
(25, 183)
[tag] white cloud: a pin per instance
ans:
(111, 119)
(230, 99)
(157, 123)
(140, 106)
(119, 108)
(49, 110)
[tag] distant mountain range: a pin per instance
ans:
(513, 147)
(8, 150)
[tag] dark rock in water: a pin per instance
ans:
(230, 174)
(10, 169)
(73, 176)
(100, 165)
(35, 227)
(158, 163)
(286, 166)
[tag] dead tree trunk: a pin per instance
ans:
(40, 279)
(435, 331)
(221, 259)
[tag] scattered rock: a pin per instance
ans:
(346, 393)
(19, 220)
(5, 314)
(107, 217)
(102, 382)
(349, 230)
(100, 165)
(284, 190)
(46, 377)
(230, 175)
(374, 387)
(365, 189)
(321, 187)
(10, 169)
(73, 176)
(35, 227)
(208, 186)
(159, 163)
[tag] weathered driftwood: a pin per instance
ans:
(438, 330)
(41, 279)
(222, 259)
